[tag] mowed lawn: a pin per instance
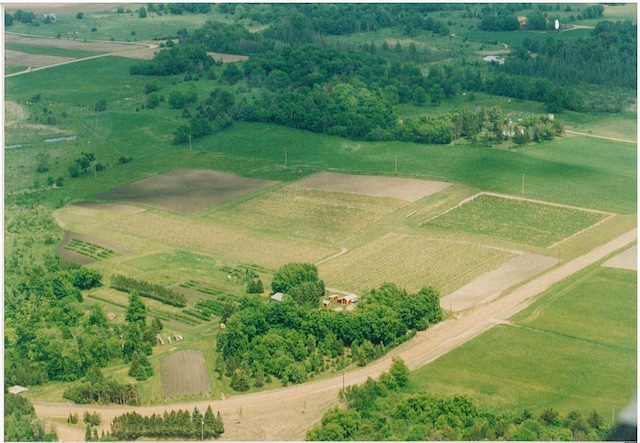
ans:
(574, 349)
(527, 222)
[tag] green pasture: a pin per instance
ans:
(522, 221)
(623, 125)
(109, 25)
(573, 349)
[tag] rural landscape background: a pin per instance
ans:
(467, 173)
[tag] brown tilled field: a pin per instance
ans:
(184, 373)
(186, 190)
(92, 46)
(407, 189)
(16, 58)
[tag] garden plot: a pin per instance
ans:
(82, 249)
(406, 189)
(412, 262)
(524, 221)
(186, 190)
(490, 285)
(185, 373)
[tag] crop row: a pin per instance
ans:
(149, 290)
(412, 262)
(192, 284)
(527, 222)
(89, 249)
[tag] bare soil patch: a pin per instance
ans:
(227, 58)
(407, 189)
(93, 46)
(625, 260)
(185, 373)
(16, 58)
(490, 285)
(186, 190)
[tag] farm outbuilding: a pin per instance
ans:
(326, 303)
(334, 297)
(348, 299)
(277, 297)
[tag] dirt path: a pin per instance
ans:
(139, 46)
(285, 414)
(601, 136)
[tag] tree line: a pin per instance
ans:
(381, 410)
(170, 425)
(21, 422)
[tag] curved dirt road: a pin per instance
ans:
(285, 414)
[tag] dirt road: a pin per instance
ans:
(285, 414)
(601, 136)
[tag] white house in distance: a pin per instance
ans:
(277, 297)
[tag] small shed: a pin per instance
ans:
(326, 303)
(349, 299)
(17, 389)
(277, 297)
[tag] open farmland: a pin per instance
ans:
(411, 262)
(375, 186)
(311, 215)
(522, 221)
(574, 348)
(185, 373)
(185, 190)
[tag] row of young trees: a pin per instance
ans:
(379, 410)
(170, 425)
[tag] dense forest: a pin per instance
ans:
(383, 410)
(294, 339)
(303, 81)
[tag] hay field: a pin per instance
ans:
(185, 373)
(523, 221)
(185, 190)
(327, 217)
(407, 189)
(411, 262)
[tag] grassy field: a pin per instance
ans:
(325, 217)
(522, 221)
(411, 262)
(560, 352)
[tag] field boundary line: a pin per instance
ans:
(582, 231)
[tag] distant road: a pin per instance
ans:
(601, 136)
(286, 413)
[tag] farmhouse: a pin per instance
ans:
(277, 297)
(49, 18)
(348, 299)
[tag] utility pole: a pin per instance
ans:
(396, 166)
(522, 184)
(190, 148)
(285, 156)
